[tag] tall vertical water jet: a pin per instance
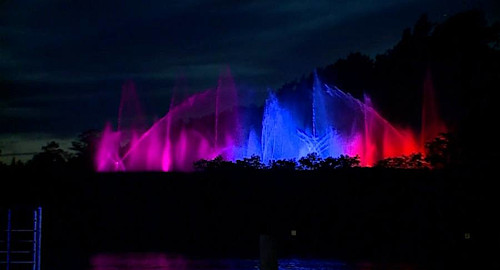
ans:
(369, 134)
(253, 145)
(227, 125)
(432, 125)
(130, 114)
(322, 139)
(108, 151)
(278, 139)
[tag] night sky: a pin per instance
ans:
(62, 63)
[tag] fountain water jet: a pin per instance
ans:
(432, 124)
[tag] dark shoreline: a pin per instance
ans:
(377, 215)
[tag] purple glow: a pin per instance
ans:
(204, 125)
(135, 261)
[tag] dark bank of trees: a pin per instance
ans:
(310, 162)
(53, 158)
(441, 152)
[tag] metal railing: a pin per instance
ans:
(13, 253)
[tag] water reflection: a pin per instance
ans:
(161, 261)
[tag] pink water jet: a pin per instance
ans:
(381, 139)
(432, 125)
(203, 126)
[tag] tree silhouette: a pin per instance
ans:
(85, 148)
(310, 162)
(283, 165)
(51, 158)
(218, 163)
(252, 163)
(443, 151)
(413, 161)
(345, 162)
(2, 165)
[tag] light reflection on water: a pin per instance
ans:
(160, 261)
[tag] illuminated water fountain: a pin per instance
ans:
(324, 120)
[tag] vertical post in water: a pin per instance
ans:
(9, 227)
(38, 238)
(268, 254)
(35, 233)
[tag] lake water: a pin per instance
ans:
(160, 261)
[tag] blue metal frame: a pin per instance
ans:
(38, 238)
(37, 241)
(9, 228)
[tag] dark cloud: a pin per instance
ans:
(62, 62)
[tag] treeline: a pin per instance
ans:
(53, 158)
(311, 161)
(442, 152)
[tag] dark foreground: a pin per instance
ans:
(362, 215)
